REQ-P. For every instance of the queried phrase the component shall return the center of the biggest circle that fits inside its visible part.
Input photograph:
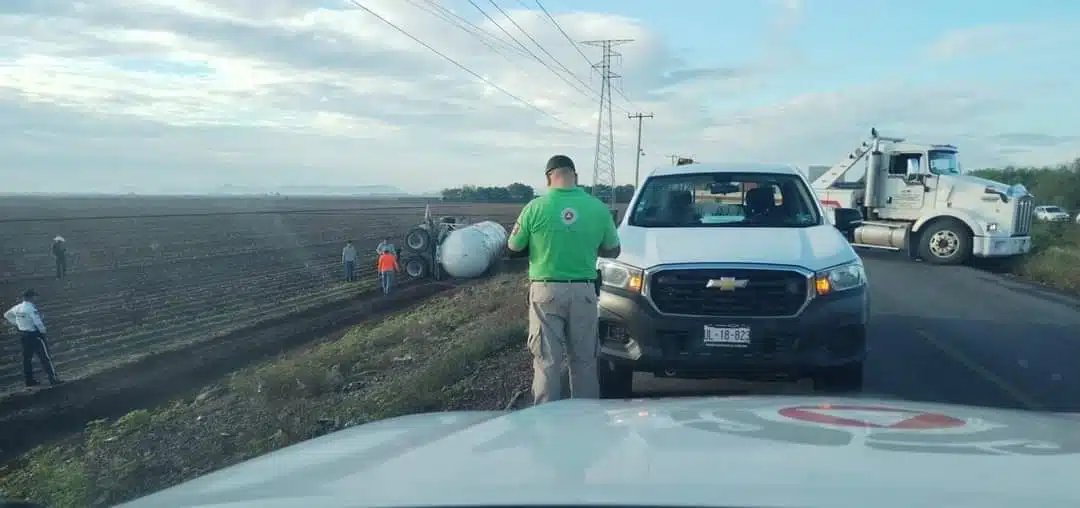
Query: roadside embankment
(1055, 260)
(463, 350)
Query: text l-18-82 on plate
(727, 336)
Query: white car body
(767, 452)
(1051, 213)
(813, 248)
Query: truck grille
(766, 293)
(1023, 215)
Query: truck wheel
(845, 379)
(418, 239)
(416, 267)
(946, 242)
(616, 381)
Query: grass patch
(1055, 259)
(424, 360)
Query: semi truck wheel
(416, 267)
(418, 239)
(945, 242)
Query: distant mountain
(314, 190)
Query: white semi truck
(914, 198)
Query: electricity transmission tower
(604, 158)
(637, 163)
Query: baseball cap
(559, 161)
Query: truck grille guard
(770, 290)
(1024, 212)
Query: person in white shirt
(26, 318)
(385, 246)
(348, 259)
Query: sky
(182, 96)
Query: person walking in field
(387, 265)
(59, 250)
(385, 246)
(563, 233)
(26, 318)
(348, 260)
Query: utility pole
(604, 158)
(637, 164)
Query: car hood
(733, 451)
(814, 248)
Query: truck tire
(418, 239)
(416, 267)
(945, 242)
(844, 379)
(616, 381)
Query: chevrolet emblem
(727, 283)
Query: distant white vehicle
(1051, 213)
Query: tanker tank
(470, 251)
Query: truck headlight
(614, 274)
(840, 278)
(991, 227)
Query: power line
(467, 26)
(481, 35)
(462, 67)
(576, 46)
(541, 46)
(588, 91)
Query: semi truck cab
(916, 198)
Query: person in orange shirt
(387, 265)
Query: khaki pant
(563, 322)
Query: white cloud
(1010, 39)
(194, 94)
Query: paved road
(952, 334)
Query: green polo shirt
(563, 231)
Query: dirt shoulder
(460, 350)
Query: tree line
(1052, 185)
(520, 193)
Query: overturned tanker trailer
(451, 247)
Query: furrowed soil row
(32, 418)
(106, 316)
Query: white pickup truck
(733, 271)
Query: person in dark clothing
(26, 318)
(59, 250)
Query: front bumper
(1000, 246)
(829, 332)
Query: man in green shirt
(564, 232)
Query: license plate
(727, 336)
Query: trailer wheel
(417, 267)
(418, 239)
(945, 242)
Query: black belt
(565, 281)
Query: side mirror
(847, 219)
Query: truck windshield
(725, 200)
(944, 163)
